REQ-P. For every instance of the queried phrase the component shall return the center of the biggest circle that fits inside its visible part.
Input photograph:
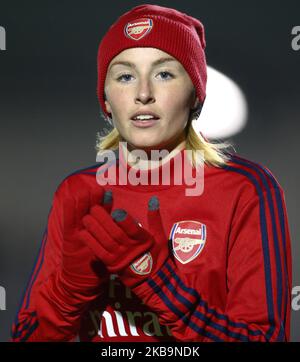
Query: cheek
(118, 100)
(175, 100)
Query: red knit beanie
(169, 30)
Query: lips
(145, 112)
(144, 123)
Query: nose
(144, 92)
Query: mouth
(145, 120)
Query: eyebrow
(155, 63)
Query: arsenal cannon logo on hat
(137, 29)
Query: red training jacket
(232, 280)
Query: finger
(97, 195)
(154, 219)
(109, 225)
(130, 226)
(107, 201)
(99, 233)
(97, 249)
(86, 198)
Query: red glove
(78, 272)
(142, 260)
(63, 297)
(123, 245)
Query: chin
(144, 145)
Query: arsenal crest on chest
(188, 240)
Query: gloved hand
(66, 293)
(142, 260)
(123, 245)
(78, 271)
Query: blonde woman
(169, 237)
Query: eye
(165, 75)
(124, 78)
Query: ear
(196, 103)
(107, 106)
(194, 100)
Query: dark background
(49, 114)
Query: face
(150, 83)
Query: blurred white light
(225, 109)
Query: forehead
(141, 56)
